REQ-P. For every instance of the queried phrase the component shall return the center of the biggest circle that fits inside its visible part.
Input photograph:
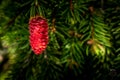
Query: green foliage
(84, 40)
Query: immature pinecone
(38, 28)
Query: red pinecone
(38, 28)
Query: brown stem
(53, 22)
(92, 26)
(71, 5)
(91, 8)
